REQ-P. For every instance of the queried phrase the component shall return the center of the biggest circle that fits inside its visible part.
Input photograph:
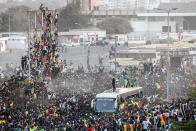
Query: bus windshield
(105, 105)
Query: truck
(109, 101)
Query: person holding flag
(125, 80)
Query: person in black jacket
(113, 84)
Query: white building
(77, 35)
(176, 1)
(127, 4)
(151, 24)
(16, 42)
(3, 42)
(102, 4)
(3, 1)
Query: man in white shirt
(145, 124)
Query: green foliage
(4, 22)
(189, 125)
(115, 25)
(70, 15)
(18, 19)
(192, 94)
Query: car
(101, 42)
(68, 44)
(75, 44)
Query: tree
(116, 25)
(18, 19)
(186, 125)
(71, 15)
(192, 93)
(4, 22)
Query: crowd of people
(50, 99)
(65, 103)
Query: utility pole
(115, 51)
(9, 24)
(29, 41)
(168, 56)
(168, 47)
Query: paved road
(11, 58)
(76, 55)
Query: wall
(17, 43)
(151, 26)
(2, 45)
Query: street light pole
(168, 56)
(115, 51)
(168, 47)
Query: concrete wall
(151, 26)
(17, 43)
(2, 45)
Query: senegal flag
(123, 106)
(158, 86)
(163, 119)
(138, 105)
(185, 67)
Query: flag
(138, 104)
(163, 119)
(185, 67)
(130, 127)
(125, 98)
(158, 85)
(123, 106)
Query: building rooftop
(86, 29)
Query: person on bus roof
(113, 84)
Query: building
(3, 42)
(127, 4)
(17, 42)
(116, 4)
(87, 5)
(93, 4)
(80, 35)
(3, 1)
(176, 1)
(151, 53)
(102, 4)
(84, 5)
(153, 24)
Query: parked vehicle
(70, 44)
(75, 44)
(101, 42)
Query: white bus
(109, 101)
